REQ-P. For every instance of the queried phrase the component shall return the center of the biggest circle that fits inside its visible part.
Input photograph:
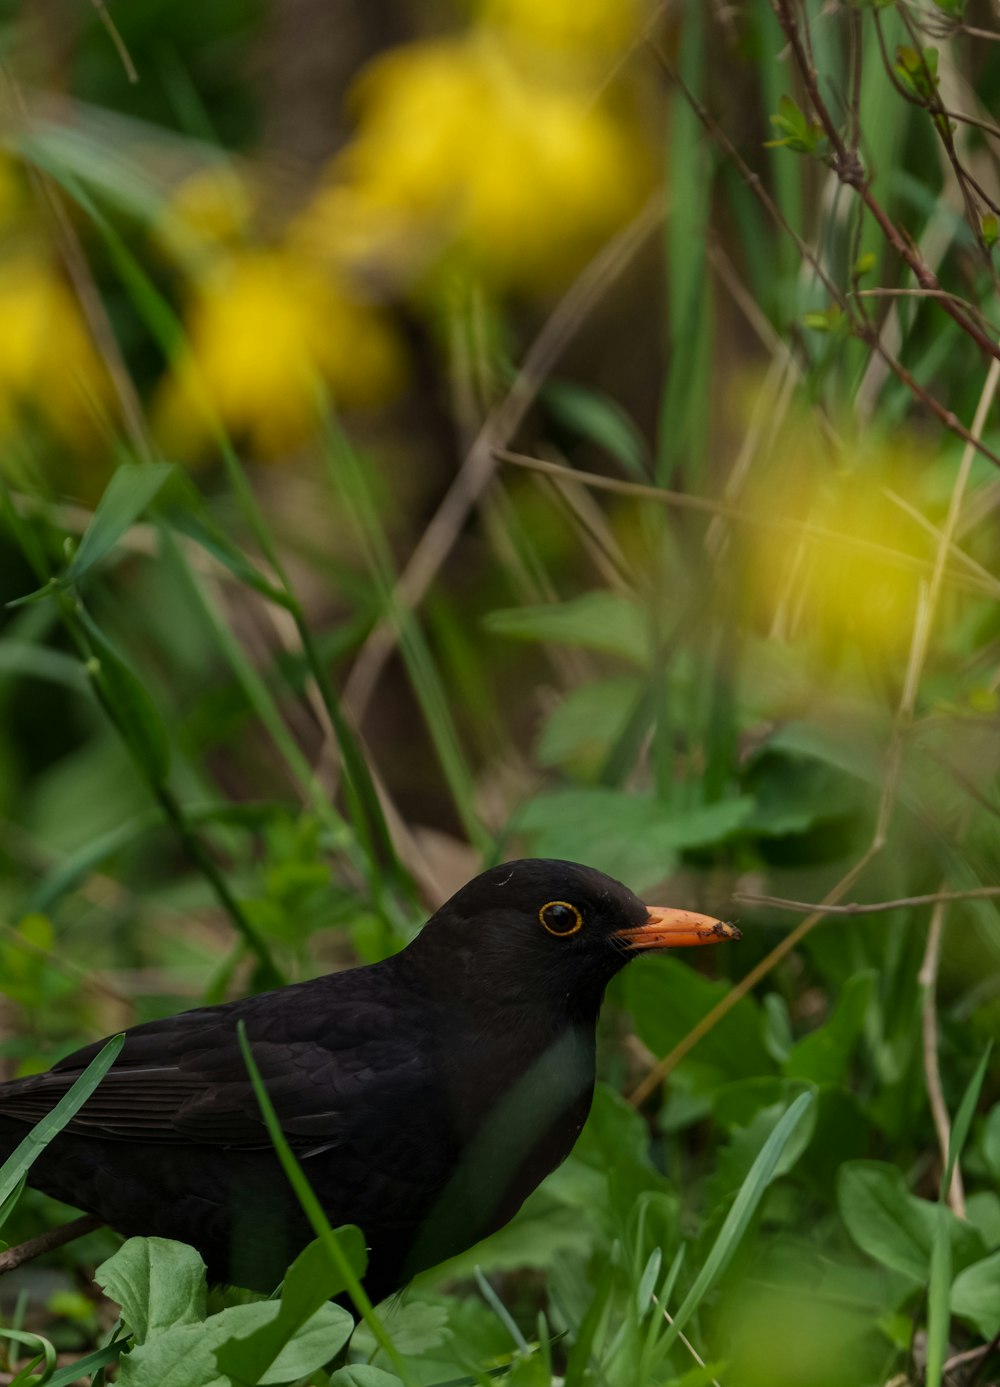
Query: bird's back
(413, 1119)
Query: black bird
(426, 1096)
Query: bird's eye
(559, 917)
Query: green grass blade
(21, 1159)
(42, 1349)
(160, 318)
(501, 1311)
(963, 1121)
(131, 490)
(313, 1211)
(348, 478)
(739, 1216)
(92, 1363)
(938, 1300)
(578, 1365)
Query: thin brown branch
(848, 167)
(499, 427)
(659, 1071)
(860, 326)
(116, 39)
(47, 1242)
(686, 1342)
(927, 978)
(950, 420)
(887, 292)
(975, 580)
(919, 644)
(977, 893)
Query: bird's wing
(325, 1054)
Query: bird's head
(552, 930)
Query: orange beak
(676, 929)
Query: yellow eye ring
(565, 925)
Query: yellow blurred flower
(266, 330)
(461, 153)
(48, 366)
(575, 29)
(843, 570)
(210, 210)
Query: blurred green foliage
(434, 433)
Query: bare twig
(919, 644)
(859, 325)
(498, 428)
(978, 893)
(659, 1071)
(686, 1342)
(849, 169)
(977, 579)
(47, 1242)
(927, 978)
(116, 39)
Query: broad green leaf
(609, 1168)
(601, 420)
(852, 749)
(601, 621)
(982, 1210)
(588, 720)
(135, 713)
(975, 1295)
(533, 1238)
(364, 1375)
(823, 1056)
(736, 1104)
(667, 999)
(615, 1139)
(894, 1226)
(778, 1037)
(159, 1283)
(310, 1282)
(25, 1154)
(842, 1133)
(631, 837)
(415, 1326)
(131, 489)
(184, 1356)
(734, 1161)
(793, 793)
